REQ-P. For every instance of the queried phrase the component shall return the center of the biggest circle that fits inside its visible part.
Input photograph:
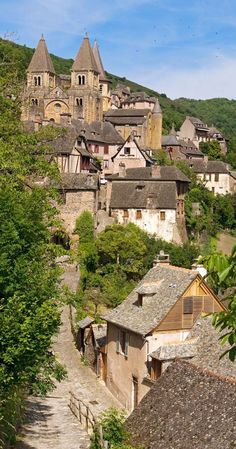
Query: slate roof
(185, 349)
(157, 108)
(197, 122)
(209, 348)
(139, 97)
(85, 59)
(98, 59)
(201, 166)
(79, 181)
(170, 140)
(167, 173)
(104, 132)
(85, 322)
(152, 195)
(187, 408)
(173, 281)
(126, 116)
(41, 60)
(100, 334)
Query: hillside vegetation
(218, 111)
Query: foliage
(212, 150)
(161, 157)
(30, 295)
(222, 275)
(85, 227)
(118, 258)
(112, 423)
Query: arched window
(83, 79)
(57, 107)
(37, 80)
(34, 102)
(79, 102)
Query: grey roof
(100, 334)
(172, 282)
(126, 116)
(170, 140)
(167, 173)
(185, 349)
(85, 59)
(209, 348)
(139, 97)
(187, 408)
(197, 123)
(233, 174)
(98, 59)
(79, 181)
(157, 108)
(104, 132)
(152, 195)
(41, 60)
(85, 322)
(201, 166)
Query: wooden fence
(85, 417)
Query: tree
(222, 275)
(212, 150)
(85, 227)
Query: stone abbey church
(83, 95)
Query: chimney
(161, 259)
(122, 170)
(205, 159)
(156, 171)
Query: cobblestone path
(49, 422)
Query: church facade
(83, 95)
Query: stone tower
(156, 127)
(41, 78)
(104, 83)
(84, 94)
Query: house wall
(120, 369)
(75, 203)
(69, 163)
(222, 187)
(133, 160)
(204, 303)
(150, 221)
(187, 131)
(98, 151)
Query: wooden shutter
(188, 305)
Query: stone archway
(55, 108)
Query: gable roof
(166, 173)
(186, 408)
(201, 166)
(197, 123)
(85, 59)
(41, 60)
(172, 283)
(98, 60)
(144, 195)
(143, 152)
(127, 116)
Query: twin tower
(85, 94)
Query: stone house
(152, 198)
(161, 310)
(145, 124)
(84, 95)
(195, 130)
(91, 342)
(215, 174)
(130, 155)
(179, 149)
(189, 407)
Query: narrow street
(49, 422)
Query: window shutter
(118, 342)
(126, 344)
(188, 305)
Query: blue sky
(179, 47)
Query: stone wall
(75, 203)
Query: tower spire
(85, 59)
(98, 59)
(41, 60)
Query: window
(96, 149)
(125, 213)
(37, 80)
(106, 149)
(216, 177)
(57, 107)
(156, 369)
(127, 150)
(122, 343)
(162, 215)
(188, 305)
(100, 88)
(34, 102)
(105, 164)
(81, 80)
(138, 214)
(79, 102)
